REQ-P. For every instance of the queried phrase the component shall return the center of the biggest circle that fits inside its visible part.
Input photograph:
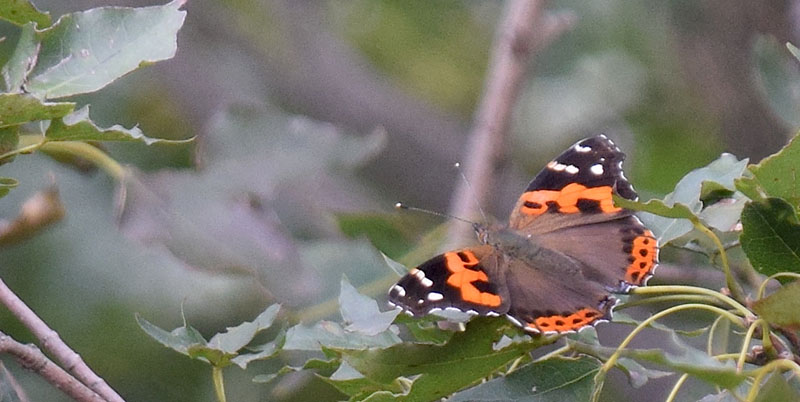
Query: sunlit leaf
(179, 340)
(259, 352)
(77, 126)
(668, 218)
(782, 307)
(771, 236)
(331, 335)
(239, 336)
(361, 313)
(352, 383)
(85, 51)
(22, 60)
(22, 108)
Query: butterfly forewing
(468, 280)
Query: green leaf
(556, 380)
(22, 59)
(639, 375)
(78, 127)
(179, 340)
(9, 140)
(6, 184)
(685, 359)
(471, 353)
(777, 389)
(239, 336)
(781, 308)
(262, 352)
(771, 236)
(21, 12)
(362, 313)
(353, 384)
(425, 329)
(777, 175)
(395, 266)
(17, 109)
(331, 335)
(85, 51)
(668, 218)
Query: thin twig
(523, 29)
(31, 358)
(51, 342)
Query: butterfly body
(567, 248)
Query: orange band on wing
(566, 199)
(561, 323)
(463, 278)
(644, 258)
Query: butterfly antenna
(457, 165)
(400, 205)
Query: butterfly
(557, 264)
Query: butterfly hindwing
(548, 299)
(468, 280)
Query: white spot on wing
(597, 169)
(571, 169)
(435, 296)
(426, 282)
(492, 314)
(401, 291)
(579, 148)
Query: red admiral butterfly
(553, 269)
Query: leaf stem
(667, 299)
(88, 152)
(770, 367)
(612, 360)
(694, 290)
(219, 384)
(763, 287)
(746, 344)
(678, 384)
(734, 288)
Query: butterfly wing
(469, 280)
(549, 299)
(618, 254)
(574, 189)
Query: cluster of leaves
(722, 207)
(82, 52)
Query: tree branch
(523, 29)
(51, 342)
(31, 358)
